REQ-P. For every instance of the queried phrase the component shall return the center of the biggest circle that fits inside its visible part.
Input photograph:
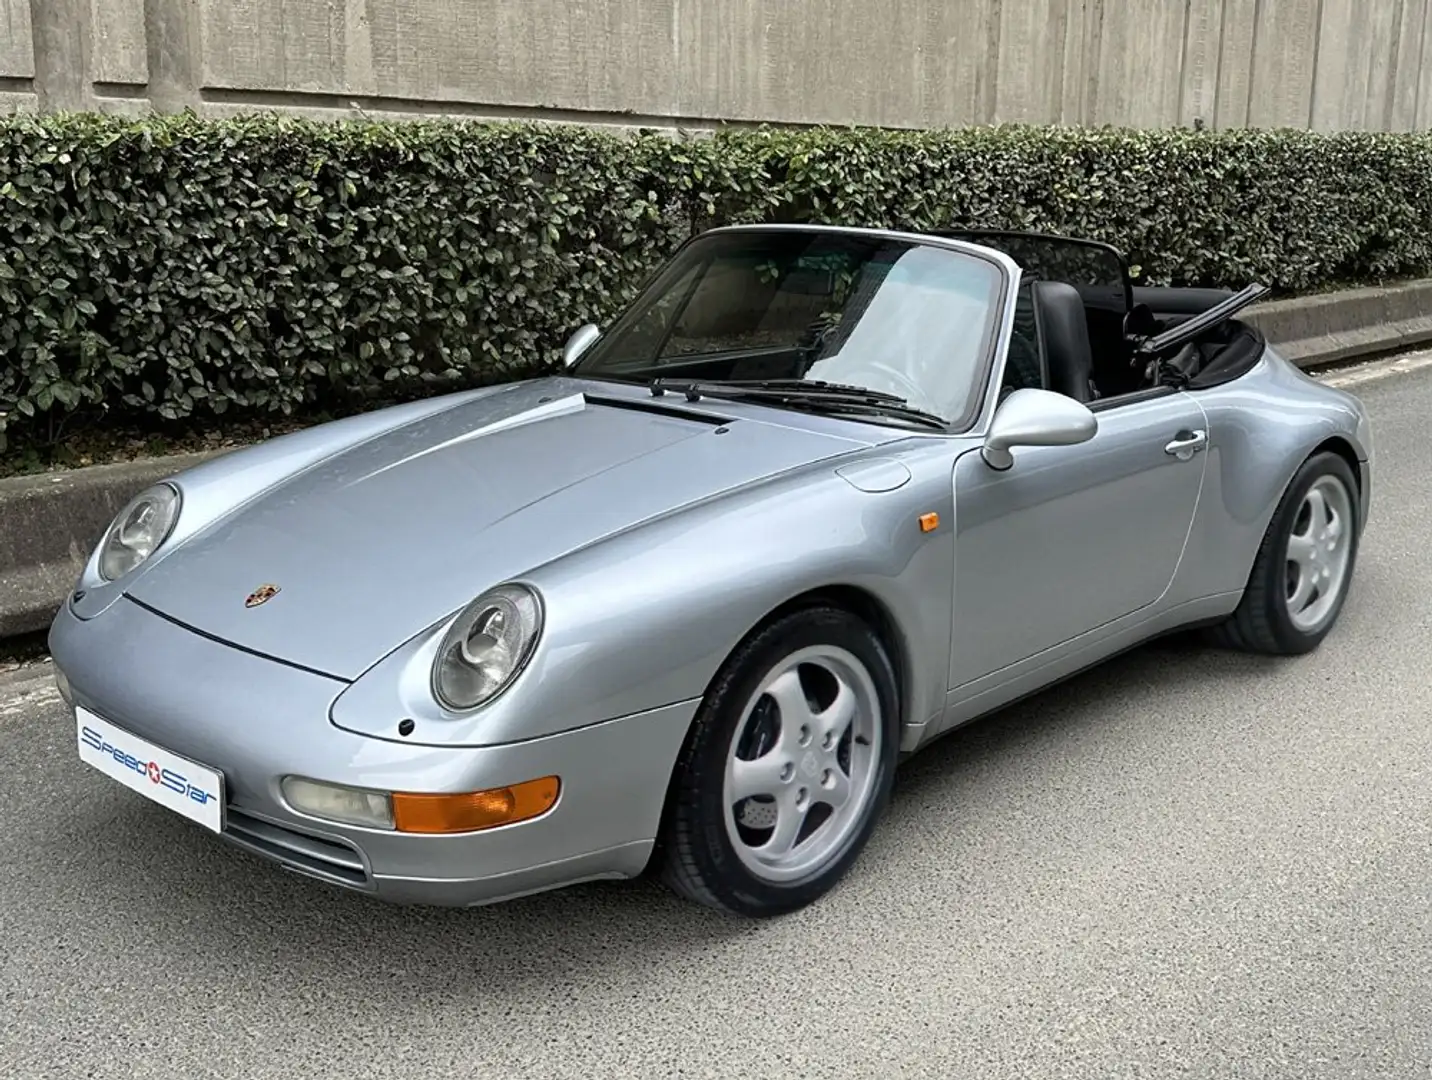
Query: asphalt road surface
(1188, 863)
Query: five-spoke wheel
(802, 765)
(1301, 575)
(1319, 554)
(787, 766)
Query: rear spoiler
(1200, 324)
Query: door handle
(1187, 443)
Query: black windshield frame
(1116, 293)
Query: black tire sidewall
(717, 863)
(1290, 638)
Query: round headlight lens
(487, 647)
(139, 530)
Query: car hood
(386, 538)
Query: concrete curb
(50, 523)
(1350, 324)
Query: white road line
(1377, 369)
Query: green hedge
(161, 269)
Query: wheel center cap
(809, 764)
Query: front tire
(1304, 566)
(787, 768)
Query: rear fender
(1262, 427)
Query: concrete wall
(1307, 63)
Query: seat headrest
(1064, 335)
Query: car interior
(1083, 329)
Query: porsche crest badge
(262, 595)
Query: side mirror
(1036, 418)
(582, 339)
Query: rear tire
(1304, 566)
(787, 767)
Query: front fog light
(351, 806)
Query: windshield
(888, 315)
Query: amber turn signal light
(929, 522)
(475, 810)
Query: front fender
(645, 618)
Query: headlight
(487, 647)
(139, 530)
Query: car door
(1072, 538)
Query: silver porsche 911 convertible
(817, 497)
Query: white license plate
(184, 786)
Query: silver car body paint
(659, 533)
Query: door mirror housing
(1036, 418)
(582, 339)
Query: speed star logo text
(262, 595)
(175, 781)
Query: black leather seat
(1064, 338)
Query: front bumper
(257, 720)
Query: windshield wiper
(826, 397)
(817, 385)
(694, 389)
(874, 408)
